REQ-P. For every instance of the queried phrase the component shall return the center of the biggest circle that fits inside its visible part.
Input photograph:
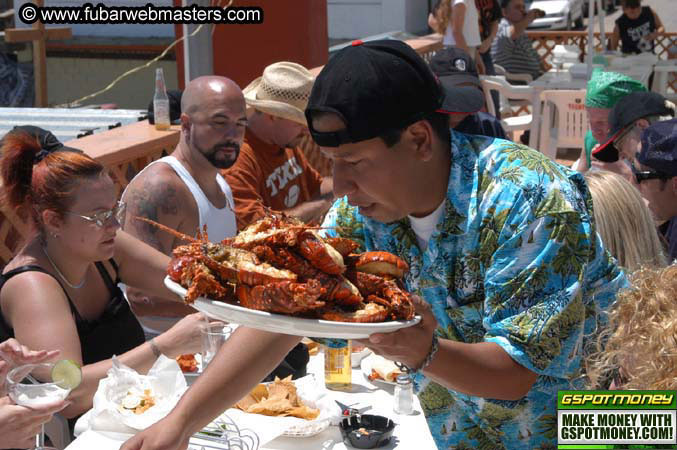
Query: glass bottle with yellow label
(337, 367)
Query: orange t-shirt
(265, 175)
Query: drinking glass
(24, 389)
(213, 337)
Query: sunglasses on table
(101, 218)
(643, 175)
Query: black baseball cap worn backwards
(630, 108)
(373, 87)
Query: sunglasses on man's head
(643, 175)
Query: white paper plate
(295, 326)
(366, 366)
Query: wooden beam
(38, 35)
(32, 34)
(40, 66)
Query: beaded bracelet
(431, 354)
(426, 362)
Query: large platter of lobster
(279, 274)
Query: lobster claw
(320, 254)
(380, 263)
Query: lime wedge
(67, 374)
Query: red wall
(291, 31)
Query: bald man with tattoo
(185, 190)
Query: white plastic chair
(564, 121)
(508, 92)
(662, 73)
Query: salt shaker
(404, 395)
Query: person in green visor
(603, 91)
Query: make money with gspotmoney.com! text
(149, 13)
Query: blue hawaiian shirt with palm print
(514, 260)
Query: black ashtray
(366, 431)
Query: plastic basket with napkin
(127, 402)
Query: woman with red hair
(60, 291)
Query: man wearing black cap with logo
(627, 120)
(463, 97)
(656, 175)
(499, 241)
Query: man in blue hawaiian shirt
(501, 246)
(499, 239)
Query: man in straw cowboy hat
(272, 171)
(185, 190)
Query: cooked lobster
(281, 265)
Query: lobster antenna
(166, 229)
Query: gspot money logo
(616, 419)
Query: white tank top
(220, 225)
(220, 222)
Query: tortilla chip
(278, 398)
(282, 389)
(259, 392)
(271, 407)
(246, 402)
(256, 395)
(304, 412)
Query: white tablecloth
(411, 431)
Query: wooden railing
(126, 150)
(545, 41)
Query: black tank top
(115, 332)
(632, 31)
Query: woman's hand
(486, 44)
(481, 70)
(19, 425)
(13, 354)
(184, 337)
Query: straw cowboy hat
(282, 91)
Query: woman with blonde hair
(639, 346)
(624, 222)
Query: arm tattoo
(149, 201)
